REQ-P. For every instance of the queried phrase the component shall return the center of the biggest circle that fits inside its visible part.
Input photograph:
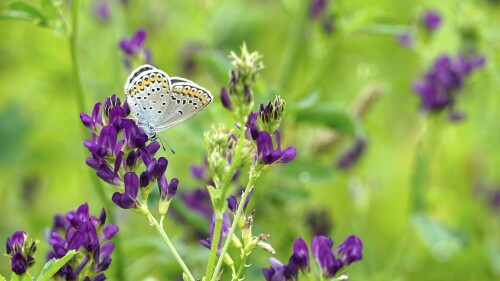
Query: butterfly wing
(185, 99)
(145, 88)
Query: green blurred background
(420, 196)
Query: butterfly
(159, 102)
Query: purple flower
(167, 191)
(300, 255)
(232, 202)
(89, 236)
(438, 88)
(94, 121)
(226, 225)
(350, 250)
(134, 47)
(252, 129)
(15, 242)
(224, 97)
(268, 155)
(431, 20)
(21, 251)
(128, 199)
(330, 262)
(352, 155)
(280, 272)
(19, 263)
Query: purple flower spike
(350, 250)
(431, 20)
(87, 235)
(268, 155)
(438, 88)
(127, 200)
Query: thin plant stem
(214, 244)
(242, 266)
(293, 44)
(253, 176)
(170, 246)
(80, 99)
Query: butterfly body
(158, 101)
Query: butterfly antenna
(163, 142)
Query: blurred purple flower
(90, 237)
(431, 20)
(350, 250)
(405, 39)
(439, 87)
(226, 225)
(280, 272)
(317, 7)
(134, 48)
(199, 201)
(101, 10)
(319, 222)
(352, 155)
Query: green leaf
(52, 266)
(27, 8)
(442, 241)
(24, 11)
(331, 116)
(16, 15)
(2, 278)
(419, 179)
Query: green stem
(318, 72)
(242, 266)
(80, 99)
(214, 244)
(254, 174)
(170, 246)
(293, 42)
